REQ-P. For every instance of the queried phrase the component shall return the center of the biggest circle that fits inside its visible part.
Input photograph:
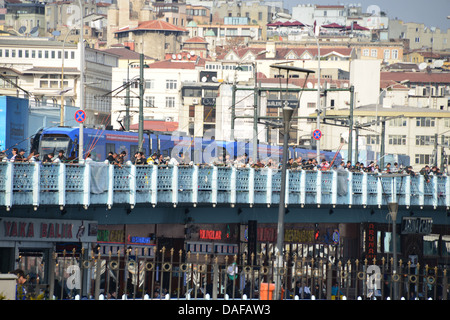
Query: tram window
(109, 147)
(134, 149)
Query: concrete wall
(8, 286)
(365, 77)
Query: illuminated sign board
(371, 242)
(210, 234)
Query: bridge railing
(101, 183)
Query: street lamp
(81, 133)
(61, 115)
(287, 116)
(393, 210)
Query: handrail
(101, 183)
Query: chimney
(271, 50)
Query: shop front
(418, 239)
(37, 245)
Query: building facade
(48, 72)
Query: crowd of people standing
(243, 160)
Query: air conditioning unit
(195, 101)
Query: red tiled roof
(168, 64)
(282, 52)
(125, 53)
(158, 25)
(392, 84)
(155, 125)
(416, 77)
(196, 40)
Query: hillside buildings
(208, 65)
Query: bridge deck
(95, 183)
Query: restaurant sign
(48, 230)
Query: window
(423, 159)
(397, 140)
(366, 52)
(171, 84)
(398, 122)
(374, 53)
(208, 93)
(387, 54)
(394, 54)
(373, 139)
(170, 102)
(209, 114)
(51, 81)
(150, 102)
(445, 246)
(425, 140)
(425, 122)
(149, 84)
(431, 245)
(192, 92)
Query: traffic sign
(317, 134)
(80, 116)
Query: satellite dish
(204, 79)
(174, 56)
(34, 32)
(422, 66)
(214, 79)
(373, 10)
(438, 63)
(192, 53)
(283, 15)
(309, 85)
(22, 29)
(188, 56)
(179, 57)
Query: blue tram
(99, 142)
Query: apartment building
(163, 83)
(49, 71)
(418, 36)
